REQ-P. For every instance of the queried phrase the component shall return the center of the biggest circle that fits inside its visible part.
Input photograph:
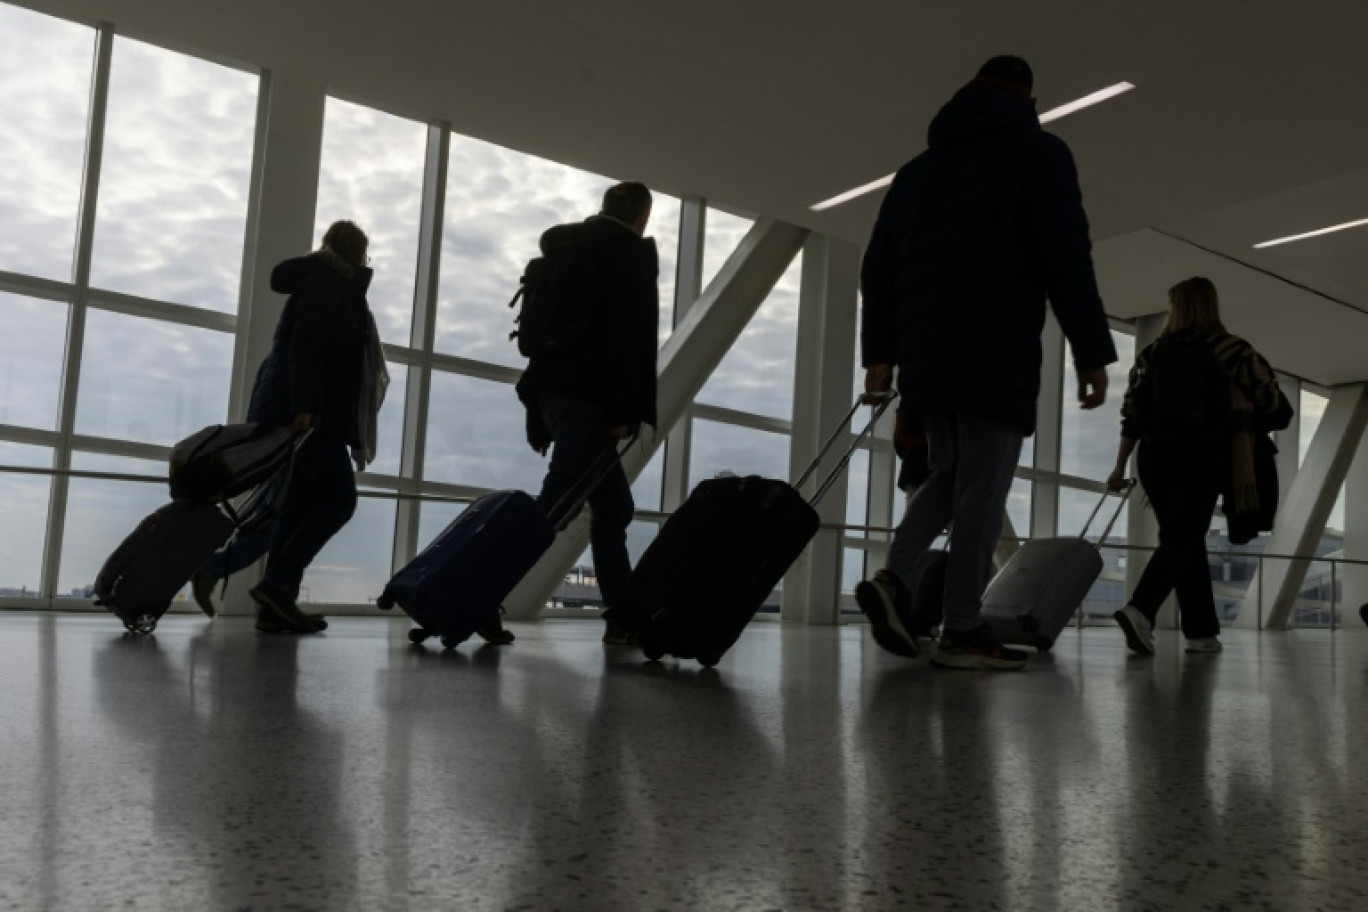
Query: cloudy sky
(170, 226)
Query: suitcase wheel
(451, 642)
(709, 661)
(418, 635)
(384, 603)
(142, 625)
(1043, 645)
(653, 653)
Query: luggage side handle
(885, 399)
(1125, 494)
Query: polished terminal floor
(208, 767)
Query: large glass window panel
(722, 234)
(1087, 445)
(756, 375)
(26, 500)
(647, 487)
(101, 513)
(857, 489)
(718, 448)
(31, 356)
(149, 380)
(1076, 505)
(497, 206)
(664, 227)
(433, 517)
(45, 93)
(354, 566)
(389, 435)
(173, 189)
(477, 436)
(371, 173)
(580, 588)
(1019, 508)
(1311, 409)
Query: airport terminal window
(355, 564)
(476, 435)
(151, 381)
(100, 513)
(1019, 506)
(31, 352)
(433, 517)
(45, 66)
(389, 432)
(1311, 409)
(26, 499)
(371, 172)
(172, 207)
(1076, 504)
(1087, 444)
(857, 489)
(719, 448)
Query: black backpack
(1184, 391)
(550, 318)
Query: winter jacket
(316, 360)
(973, 237)
(604, 273)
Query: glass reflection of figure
(244, 781)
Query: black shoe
(202, 590)
(283, 615)
(493, 632)
(976, 649)
(884, 603)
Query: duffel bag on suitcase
(1037, 592)
(142, 576)
(224, 460)
(720, 555)
(458, 582)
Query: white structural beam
(693, 351)
(1049, 424)
(828, 311)
(693, 224)
(1309, 501)
(282, 197)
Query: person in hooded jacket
(973, 237)
(599, 387)
(315, 380)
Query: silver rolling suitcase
(1035, 595)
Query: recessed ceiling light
(1063, 110)
(1310, 234)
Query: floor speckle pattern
(208, 767)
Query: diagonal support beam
(689, 357)
(1301, 521)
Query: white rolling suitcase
(1035, 595)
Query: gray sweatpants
(972, 460)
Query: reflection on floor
(208, 767)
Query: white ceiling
(1247, 121)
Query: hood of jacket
(597, 229)
(977, 112)
(290, 274)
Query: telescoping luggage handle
(1125, 493)
(565, 509)
(884, 401)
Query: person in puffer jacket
(975, 235)
(312, 381)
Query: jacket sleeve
(635, 321)
(310, 339)
(878, 283)
(1064, 253)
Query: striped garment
(1248, 372)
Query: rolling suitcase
(720, 555)
(458, 581)
(142, 576)
(1036, 593)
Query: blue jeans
(320, 499)
(972, 460)
(579, 433)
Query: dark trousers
(1183, 483)
(320, 500)
(579, 433)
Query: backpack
(223, 461)
(536, 330)
(1184, 392)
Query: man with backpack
(974, 236)
(588, 326)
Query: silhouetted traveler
(974, 236)
(325, 372)
(597, 385)
(1191, 393)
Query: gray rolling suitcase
(1035, 595)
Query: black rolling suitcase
(460, 579)
(720, 555)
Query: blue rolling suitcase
(458, 582)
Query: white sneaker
(1139, 633)
(1204, 644)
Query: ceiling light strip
(1310, 234)
(1063, 110)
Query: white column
(282, 197)
(828, 313)
(1309, 501)
(689, 357)
(1049, 421)
(693, 223)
